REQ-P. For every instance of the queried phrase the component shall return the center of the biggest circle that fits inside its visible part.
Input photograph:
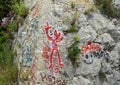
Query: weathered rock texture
(30, 41)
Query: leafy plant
(5, 7)
(20, 8)
(72, 5)
(72, 29)
(6, 55)
(76, 38)
(8, 69)
(12, 26)
(73, 52)
(4, 38)
(7, 65)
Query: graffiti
(26, 56)
(51, 49)
(35, 22)
(92, 50)
(88, 58)
(33, 70)
(36, 10)
(26, 49)
(91, 47)
(52, 80)
(27, 60)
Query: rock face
(31, 38)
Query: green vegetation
(106, 6)
(11, 12)
(8, 68)
(9, 76)
(5, 7)
(72, 5)
(73, 28)
(73, 52)
(12, 26)
(20, 9)
(76, 38)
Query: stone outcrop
(31, 37)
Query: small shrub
(20, 8)
(9, 76)
(73, 52)
(4, 38)
(5, 7)
(72, 29)
(12, 26)
(8, 69)
(76, 38)
(72, 5)
(6, 55)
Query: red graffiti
(90, 47)
(35, 59)
(52, 49)
(45, 52)
(52, 80)
(36, 10)
(33, 70)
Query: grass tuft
(20, 8)
(73, 52)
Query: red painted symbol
(90, 47)
(51, 50)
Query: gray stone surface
(30, 43)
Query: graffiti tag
(52, 80)
(92, 50)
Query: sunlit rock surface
(30, 41)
